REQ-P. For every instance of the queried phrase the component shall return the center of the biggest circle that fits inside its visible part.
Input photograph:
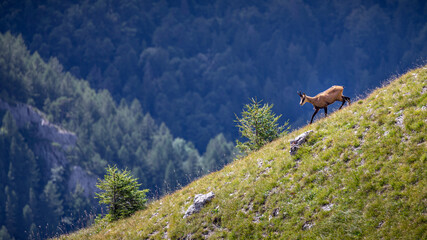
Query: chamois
(323, 99)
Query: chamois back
(333, 91)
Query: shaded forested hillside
(193, 64)
(42, 194)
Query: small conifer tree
(259, 125)
(120, 191)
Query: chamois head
(303, 98)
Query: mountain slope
(362, 174)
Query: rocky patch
(298, 141)
(200, 200)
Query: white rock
(298, 141)
(199, 201)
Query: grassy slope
(362, 174)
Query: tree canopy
(120, 191)
(192, 64)
(259, 125)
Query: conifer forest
(154, 87)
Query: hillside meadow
(361, 174)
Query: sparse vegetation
(361, 175)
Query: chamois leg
(348, 100)
(326, 111)
(345, 99)
(314, 114)
(343, 102)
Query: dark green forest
(153, 86)
(107, 133)
(194, 63)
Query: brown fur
(325, 98)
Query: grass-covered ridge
(362, 174)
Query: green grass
(362, 174)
